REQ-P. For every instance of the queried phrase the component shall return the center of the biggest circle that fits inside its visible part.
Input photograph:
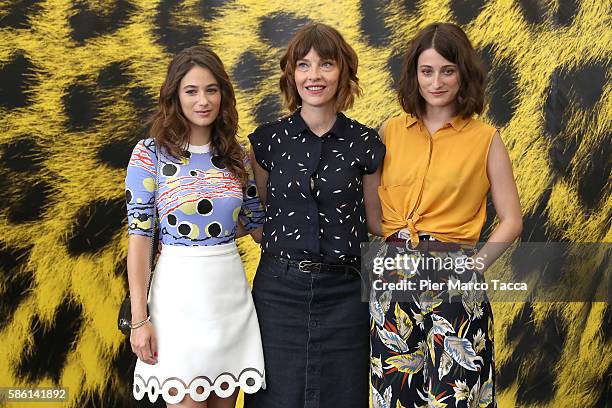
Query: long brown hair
(169, 126)
(329, 44)
(449, 41)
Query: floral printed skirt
(434, 347)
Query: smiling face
(316, 80)
(438, 79)
(200, 98)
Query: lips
(315, 89)
(438, 93)
(202, 113)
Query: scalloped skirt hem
(174, 390)
(206, 326)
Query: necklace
(327, 128)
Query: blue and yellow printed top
(198, 200)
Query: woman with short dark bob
(198, 341)
(436, 348)
(312, 169)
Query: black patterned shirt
(315, 207)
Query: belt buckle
(410, 247)
(304, 266)
(404, 234)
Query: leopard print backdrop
(78, 80)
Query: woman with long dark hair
(435, 348)
(200, 341)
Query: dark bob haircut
(449, 41)
(329, 44)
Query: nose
(437, 80)
(202, 99)
(314, 73)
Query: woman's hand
(144, 343)
(256, 234)
(478, 263)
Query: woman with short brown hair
(435, 347)
(329, 44)
(450, 41)
(313, 168)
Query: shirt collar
(296, 125)
(339, 125)
(410, 120)
(458, 123)
(199, 149)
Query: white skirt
(207, 331)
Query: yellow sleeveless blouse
(436, 184)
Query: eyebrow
(320, 59)
(205, 86)
(443, 66)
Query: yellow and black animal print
(78, 80)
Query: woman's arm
(370, 195)
(261, 177)
(505, 200)
(240, 230)
(254, 233)
(252, 213)
(372, 202)
(142, 339)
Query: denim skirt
(315, 335)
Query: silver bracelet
(140, 324)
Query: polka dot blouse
(315, 207)
(198, 200)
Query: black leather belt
(308, 266)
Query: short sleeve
(140, 188)
(261, 143)
(252, 213)
(373, 151)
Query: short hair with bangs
(329, 44)
(451, 42)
